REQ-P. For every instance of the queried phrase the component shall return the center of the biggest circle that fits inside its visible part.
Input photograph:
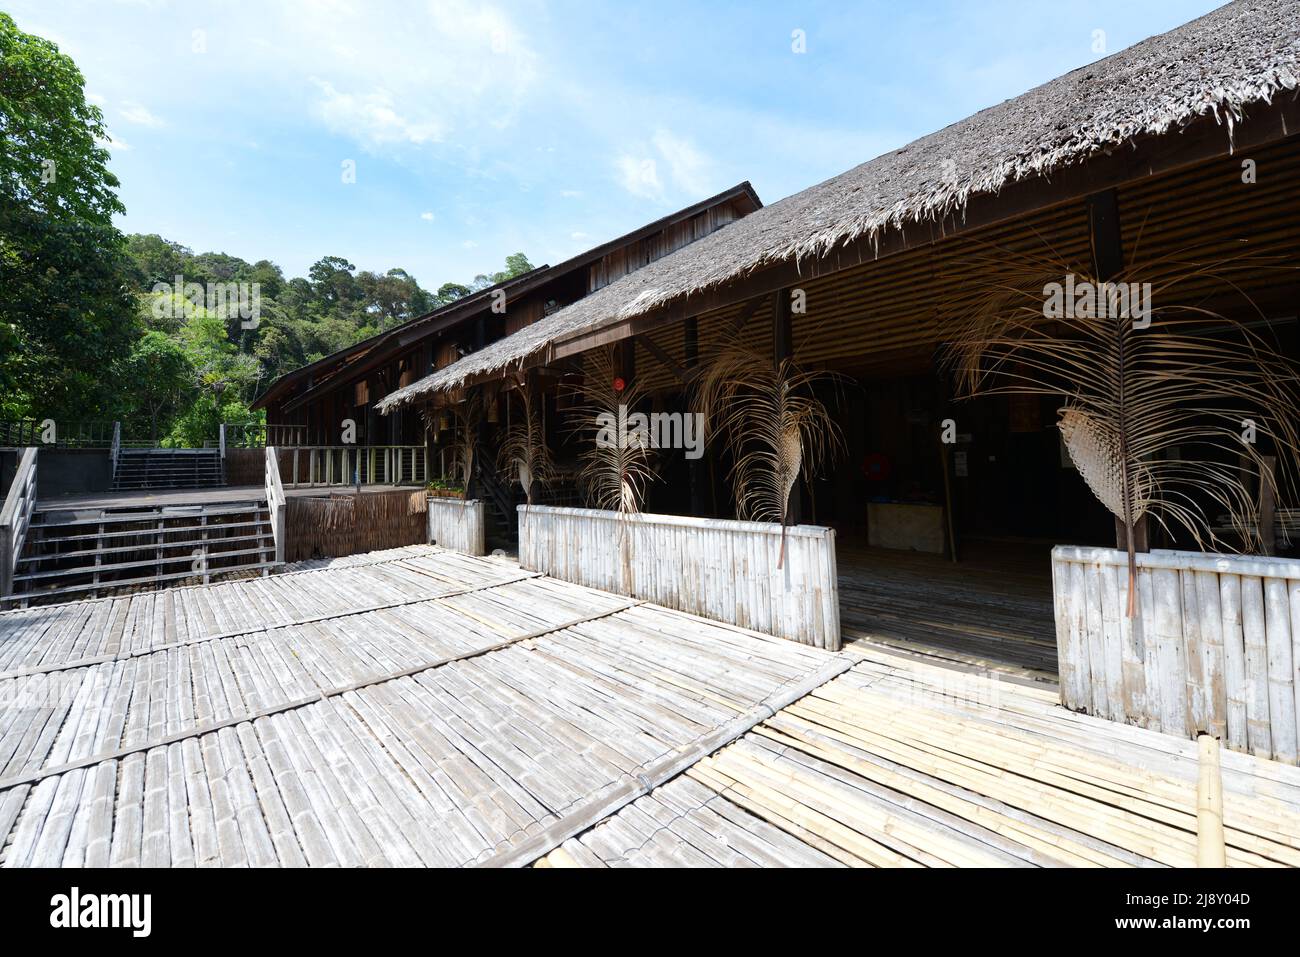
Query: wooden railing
(275, 500)
(327, 465)
(16, 518)
(257, 435)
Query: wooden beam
(1268, 506)
(657, 351)
(625, 360)
(746, 314)
(783, 348)
(1104, 234)
(782, 334)
(694, 467)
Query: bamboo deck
(420, 707)
(897, 763)
(430, 709)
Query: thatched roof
(1242, 53)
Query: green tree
(449, 292)
(157, 378)
(516, 265)
(64, 305)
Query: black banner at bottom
(337, 907)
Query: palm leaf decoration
(773, 425)
(1153, 417)
(467, 415)
(524, 455)
(613, 475)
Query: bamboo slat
(899, 763)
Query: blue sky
(480, 129)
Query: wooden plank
(1280, 670)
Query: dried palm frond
(524, 455)
(773, 425)
(1153, 416)
(467, 415)
(615, 467)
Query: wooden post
(783, 348)
(1107, 262)
(625, 360)
(691, 331)
(6, 560)
(1268, 506)
(1210, 845)
(944, 395)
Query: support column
(783, 348)
(1107, 262)
(694, 467)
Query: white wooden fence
(275, 501)
(718, 569)
(457, 525)
(16, 518)
(1215, 646)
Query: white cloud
(139, 115)
(427, 217)
(578, 236)
(570, 193)
(371, 118)
(684, 167)
(640, 177)
(469, 244)
(453, 65)
(687, 165)
(112, 142)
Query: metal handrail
(16, 519)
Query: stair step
(180, 511)
(101, 569)
(118, 549)
(126, 582)
(170, 529)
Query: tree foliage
(92, 324)
(66, 317)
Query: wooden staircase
(91, 551)
(168, 469)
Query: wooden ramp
(897, 763)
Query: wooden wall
(619, 262)
(339, 524)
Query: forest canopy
(98, 326)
